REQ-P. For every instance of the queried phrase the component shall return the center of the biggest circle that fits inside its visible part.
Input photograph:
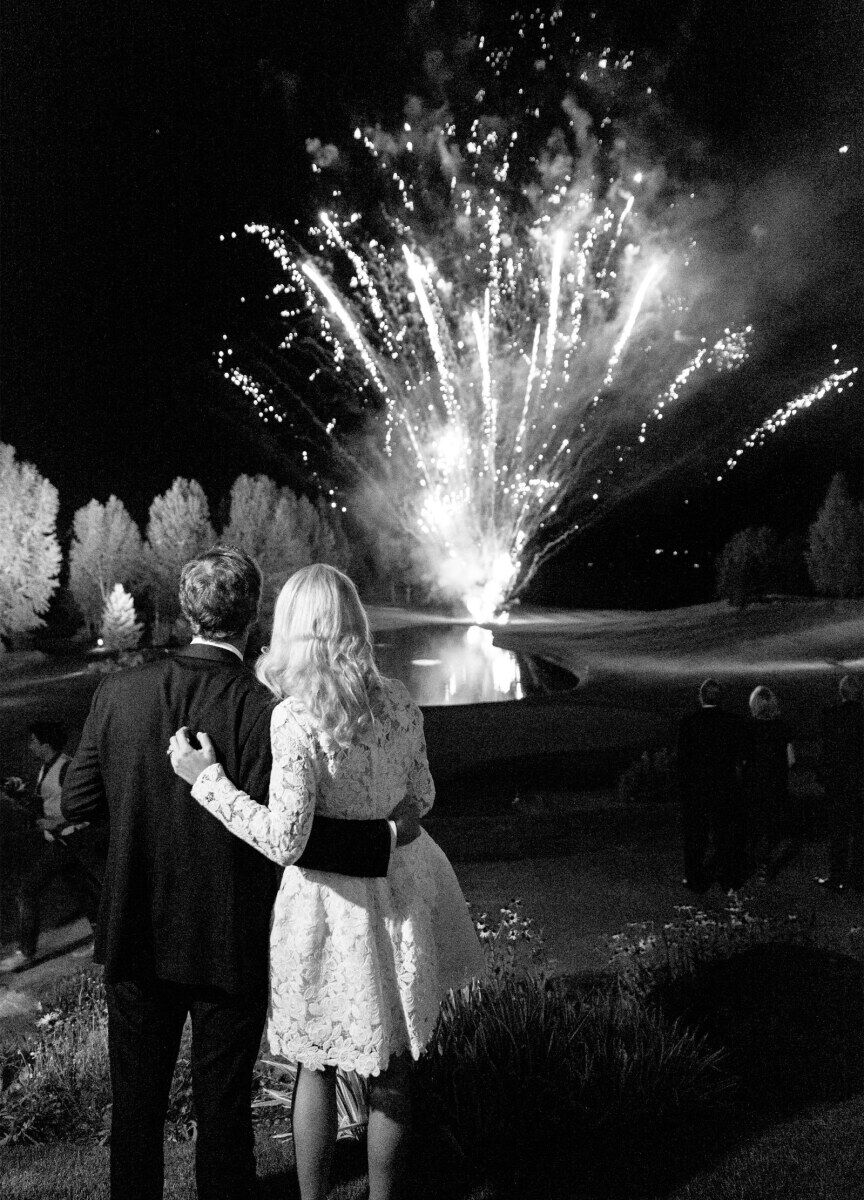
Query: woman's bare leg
(313, 1120)
(389, 1124)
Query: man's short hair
(220, 592)
(849, 687)
(49, 733)
(710, 692)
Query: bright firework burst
(463, 389)
(488, 409)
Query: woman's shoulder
(290, 712)
(397, 703)
(395, 692)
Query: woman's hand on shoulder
(186, 761)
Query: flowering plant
(512, 944)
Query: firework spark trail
(781, 417)
(317, 279)
(554, 293)
(420, 278)
(726, 354)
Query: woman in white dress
(358, 967)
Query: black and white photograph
(431, 600)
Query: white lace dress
(358, 967)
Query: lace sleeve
(420, 785)
(279, 831)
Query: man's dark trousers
(694, 834)
(144, 1030)
(846, 823)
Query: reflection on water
(455, 664)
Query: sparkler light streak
(779, 419)
(464, 398)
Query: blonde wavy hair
(321, 653)
(764, 705)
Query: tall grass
(56, 1084)
(523, 1070)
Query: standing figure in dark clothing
(768, 755)
(708, 756)
(184, 921)
(842, 770)
(73, 851)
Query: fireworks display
(475, 383)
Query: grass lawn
(63, 1172)
(818, 1154)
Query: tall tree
(835, 543)
(253, 500)
(282, 532)
(106, 549)
(178, 529)
(29, 550)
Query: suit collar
(211, 654)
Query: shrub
(522, 1070)
(120, 631)
(650, 779)
(56, 1084)
(744, 566)
(649, 957)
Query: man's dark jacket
(842, 757)
(184, 899)
(710, 744)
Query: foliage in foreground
(523, 1071)
(650, 957)
(56, 1085)
(599, 1080)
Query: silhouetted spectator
(768, 755)
(842, 770)
(73, 851)
(708, 754)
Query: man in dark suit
(184, 918)
(708, 760)
(842, 770)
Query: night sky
(134, 134)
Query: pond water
(458, 664)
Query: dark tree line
(829, 559)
